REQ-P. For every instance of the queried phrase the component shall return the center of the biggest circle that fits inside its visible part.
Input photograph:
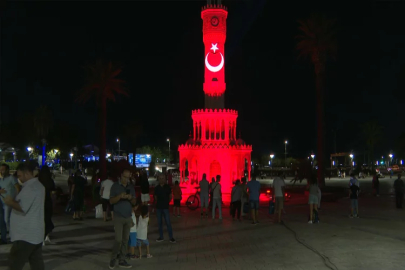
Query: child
(132, 243)
(354, 194)
(176, 198)
(142, 233)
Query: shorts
(204, 200)
(106, 204)
(145, 197)
(132, 242)
(279, 203)
(313, 199)
(176, 202)
(141, 241)
(254, 204)
(355, 203)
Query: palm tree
(372, 134)
(318, 41)
(43, 122)
(102, 84)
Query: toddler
(142, 231)
(132, 243)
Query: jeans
(236, 207)
(217, 202)
(3, 226)
(22, 252)
(122, 228)
(166, 215)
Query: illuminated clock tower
(213, 147)
(214, 36)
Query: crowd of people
(26, 208)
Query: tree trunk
(319, 62)
(103, 137)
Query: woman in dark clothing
(45, 177)
(77, 194)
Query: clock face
(214, 21)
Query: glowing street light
(312, 156)
(351, 157)
(119, 147)
(271, 159)
(168, 140)
(56, 151)
(285, 153)
(29, 149)
(71, 156)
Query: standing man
(245, 195)
(254, 193)
(122, 196)
(8, 187)
(217, 197)
(27, 221)
(278, 194)
(105, 197)
(163, 196)
(204, 194)
(399, 191)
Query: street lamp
(168, 140)
(351, 157)
(29, 149)
(285, 153)
(119, 146)
(390, 155)
(312, 158)
(271, 160)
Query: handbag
(70, 207)
(99, 211)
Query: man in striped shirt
(27, 221)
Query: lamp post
(168, 140)
(390, 155)
(119, 146)
(351, 157)
(71, 158)
(285, 153)
(312, 158)
(29, 149)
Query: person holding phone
(122, 196)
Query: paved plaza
(373, 241)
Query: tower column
(194, 129)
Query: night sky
(45, 44)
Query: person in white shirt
(105, 197)
(133, 236)
(142, 231)
(27, 221)
(278, 194)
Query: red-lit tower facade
(213, 147)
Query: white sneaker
(310, 222)
(47, 239)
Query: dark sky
(45, 44)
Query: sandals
(149, 256)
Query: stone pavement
(374, 241)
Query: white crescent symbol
(217, 68)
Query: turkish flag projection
(214, 69)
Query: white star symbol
(214, 47)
